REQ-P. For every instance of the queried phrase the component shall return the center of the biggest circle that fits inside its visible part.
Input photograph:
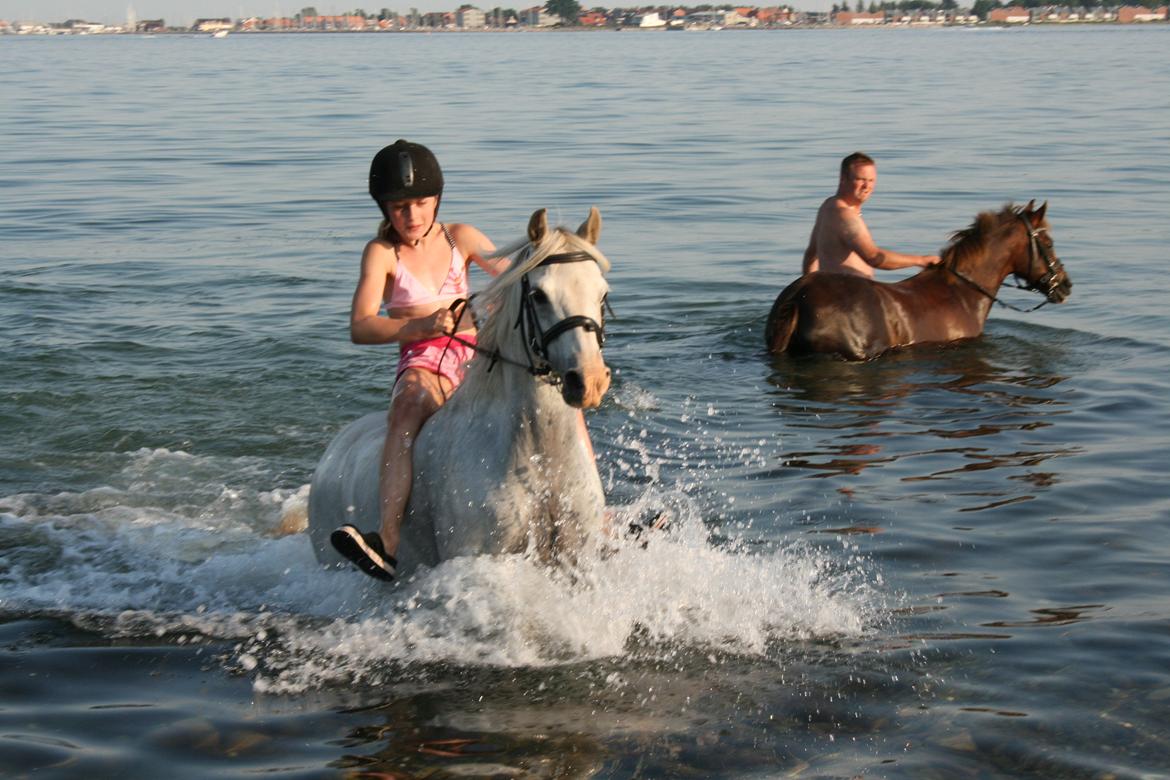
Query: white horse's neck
(516, 437)
(526, 406)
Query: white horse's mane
(497, 308)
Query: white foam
(183, 550)
(509, 611)
(633, 398)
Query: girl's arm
(365, 326)
(476, 247)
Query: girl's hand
(439, 323)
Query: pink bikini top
(409, 290)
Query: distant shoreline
(582, 29)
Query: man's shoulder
(836, 211)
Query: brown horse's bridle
(1046, 284)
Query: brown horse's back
(782, 318)
(829, 313)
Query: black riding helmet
(405, 170)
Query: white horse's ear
(591, 228)
(538, 225)
(1038, 217)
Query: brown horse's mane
(971, 243)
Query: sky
(183, 12)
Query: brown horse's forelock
(971, 242)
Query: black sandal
(365, 551)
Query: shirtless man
(840, 241)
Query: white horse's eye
(538, 296)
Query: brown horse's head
(1015, 240)
(1038, 266)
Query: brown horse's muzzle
(1055, 284)
(1061, 287)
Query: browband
(567, 257)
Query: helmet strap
(424, 235)
(386, 216)
(434, 219)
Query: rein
(535, 338)
(1034, 250)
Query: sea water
(948, 562)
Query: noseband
(1046, 284)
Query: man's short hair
(857, 158)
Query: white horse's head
(548, 307)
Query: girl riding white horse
(502, 466)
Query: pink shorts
(441, 355)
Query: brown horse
(858, 318)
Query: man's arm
(811, 263)
(856, 236)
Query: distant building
(470, 18)
(858, 18)
(774, 15)
(593, 19)
(739, 17)
(83, 27)
(150, 26)
(1013, 15)
(648, 21)
(536, 16)
(1130, 14)
(343, 22)
(701, 19)
(213, 25)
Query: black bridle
(1046, 284)
(535, 338)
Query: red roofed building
(1129, 14)
(775, 15)
(1013, 15)
(855, 18)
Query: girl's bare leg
(417, 395)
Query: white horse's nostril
(574, 387)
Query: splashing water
(179, 552)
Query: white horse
(501, 467)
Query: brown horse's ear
(1038, 216)
(591, 228)
(538, 225)
(1031, 205)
